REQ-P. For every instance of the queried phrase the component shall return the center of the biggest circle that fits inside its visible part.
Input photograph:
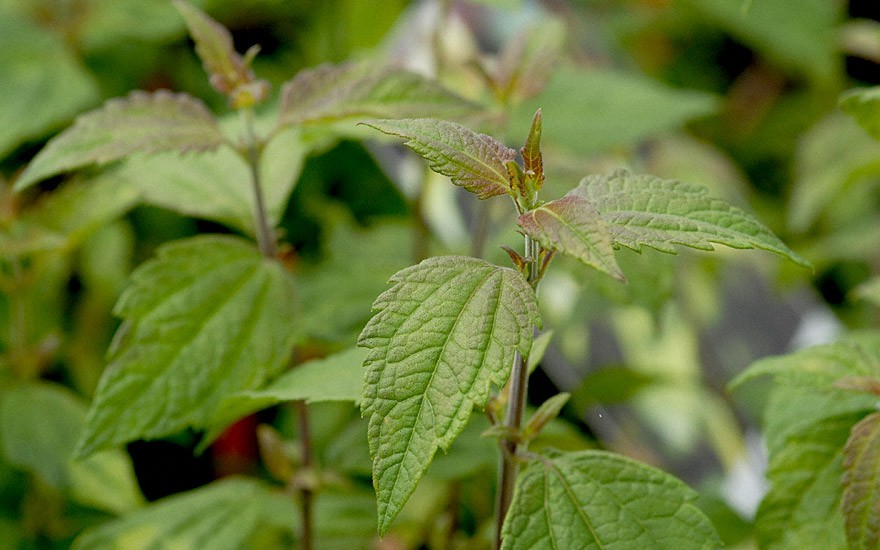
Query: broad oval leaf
(474, 161)
(331, 93)
(597, 499)
(861, 484)
(572, 225)
(444, 333)
(644, 210)
(140, 123)
(207, 318)
(224, 515)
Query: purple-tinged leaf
(861, 484)
(644, 210)
(331, 93)
(474, 161)
(140, 123)
(572, 225)
(531, 153)
(229, 73)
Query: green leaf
(228, 71)
(223, 515)
(572, 225)
(140, 123)
(802, 508)
(864, 106)
(861, 483)
(869, 290)
(444, 333)
(43, 86)
(207, 318)
(474, 161)
(589, 111)
(644, 210)
(596, 499)
(332, 93)
(39, 424)
(539, 348)
(547, 412)
(801, 35)
(611, 385)
(336, 377)
(529, 59)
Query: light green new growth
(208, 318)
(861, 484)
(601, 500)
(444, 333)
(331, 93)
(140, 123)
(474, 161)
(864, 106)
(644, 210)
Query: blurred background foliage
(740, 97)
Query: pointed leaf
(539, 348)
(531, 153)
(207, 318)
(140, 123)
(864, 106)
(573, 226)
(474, 161)
(596, 499)
(802, 508)
(224, 515)
(548, 410)
(529, 59)
(330, 93)
(444, 333)
(861, 484)
(229, 72)
(644, 210)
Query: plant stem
(269, 248)
(306, 494)
(516, 404)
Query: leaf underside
(861, 484)
(596, 499)
(207, 318)
(140, 123)
(331, 93)
(474, 161)
(572, 225)
(644, 210)
(444, 333)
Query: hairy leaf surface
(802, 508)
(207, 318)
(331, 93)
(223, 515)
(474, 161)
(572, 225)
(861, 484)
(596, 499)
(644, 210)
(444, 333)
(140, 123)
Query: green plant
(451, 327)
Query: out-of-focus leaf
(643, 210)
(207, 318)
(573, 226)
(870, 290)
(444, 333)
(223, 515)
(596, 499)
(217, 185)
(864, 106)
(474, 161)
(861, 484)
(587, 111)
(529, 59)
(539, 348)
(802, 508)
(140, 123)
(796, 34)
(610, 385)
(43, 84)
(39, 424)
(332, 93)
